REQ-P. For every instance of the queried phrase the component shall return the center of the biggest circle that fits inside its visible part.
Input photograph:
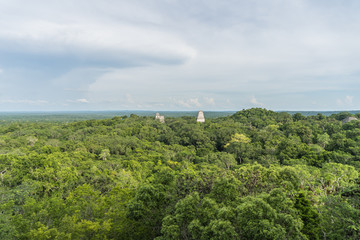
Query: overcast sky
(179, 54)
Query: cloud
(347, 101)
(255, 102)
(80, 100)
(101, 37)
(24, 101)
(153, 51)
(209, 101)
(194, 103)
(130, 99)
(187, 103)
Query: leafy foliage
(256, 174)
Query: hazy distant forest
(256, 174)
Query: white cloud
(195, 102)
(347, 101)
(24, 101)
(130, 99)
(152, 51)
(209, 101)
(78, 32)
(80, 100)
(255, 102)
(190, 103)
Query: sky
(179, 55)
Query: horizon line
(133, 110)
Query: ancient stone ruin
(159, 117)
(349, 119)
(200, 117)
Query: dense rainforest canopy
(256, 174)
